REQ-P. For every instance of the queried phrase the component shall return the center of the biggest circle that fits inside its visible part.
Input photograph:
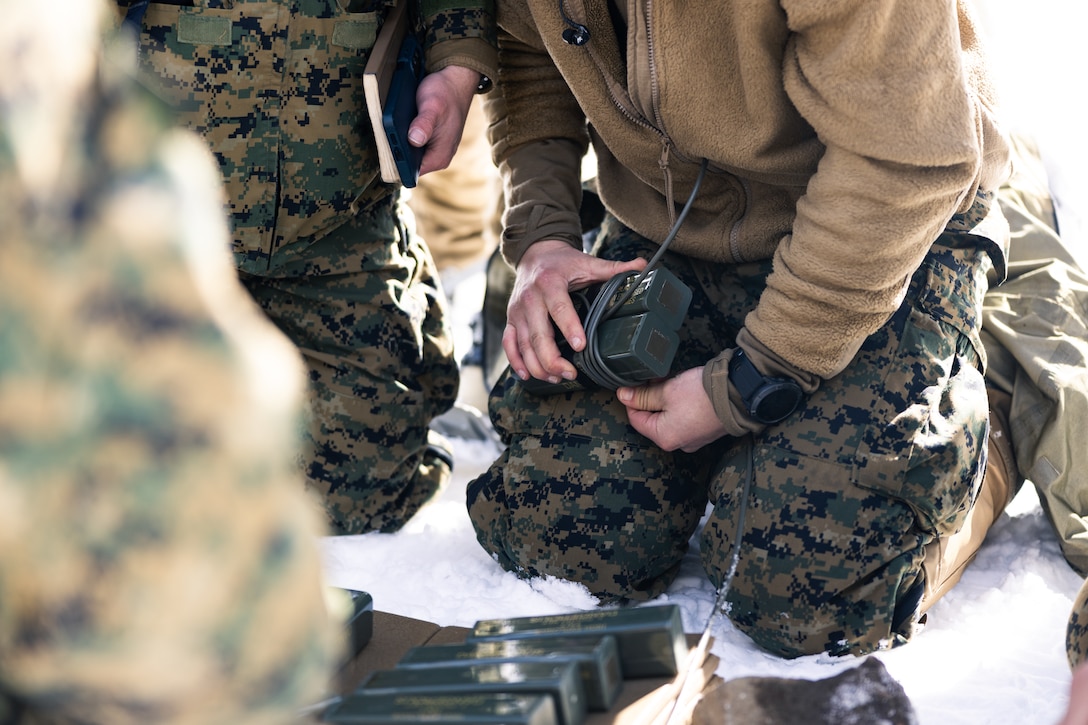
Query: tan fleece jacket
(842, 136)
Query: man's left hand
(676, 414)
(443, 99)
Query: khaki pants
(1035, 329)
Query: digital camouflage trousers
(364, 307)
(843, 496)
(1076, 633)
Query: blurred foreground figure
(158, 560)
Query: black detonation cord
(593, 364)
(698, 654)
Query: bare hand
(443, 99)
(546, 274)
(674, 414)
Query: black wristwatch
(768, 400)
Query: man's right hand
(547, 273)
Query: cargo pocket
(356, 32)
(927, 451)
(357, 23)
(204, 29)
(192, 26)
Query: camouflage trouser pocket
(930, 455)
(845, 494)
(926, 446)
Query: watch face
(769, 400)
(775, 401)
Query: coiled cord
(594, 365)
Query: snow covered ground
(993, 650)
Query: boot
(947, 556)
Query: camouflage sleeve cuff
(462, 34)
(473, 53)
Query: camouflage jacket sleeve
(158, 555)
(462, 34)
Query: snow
(993, 649)
(992, 652)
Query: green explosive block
(482, 708)
(650, 639)
(560, 680)
(597, 658)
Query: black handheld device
(631, 334)
(631, 323)
(400, 109)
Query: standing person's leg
(457, 208)
(457, 212)
(1076, 649)
(845, 495)
(366, 311)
